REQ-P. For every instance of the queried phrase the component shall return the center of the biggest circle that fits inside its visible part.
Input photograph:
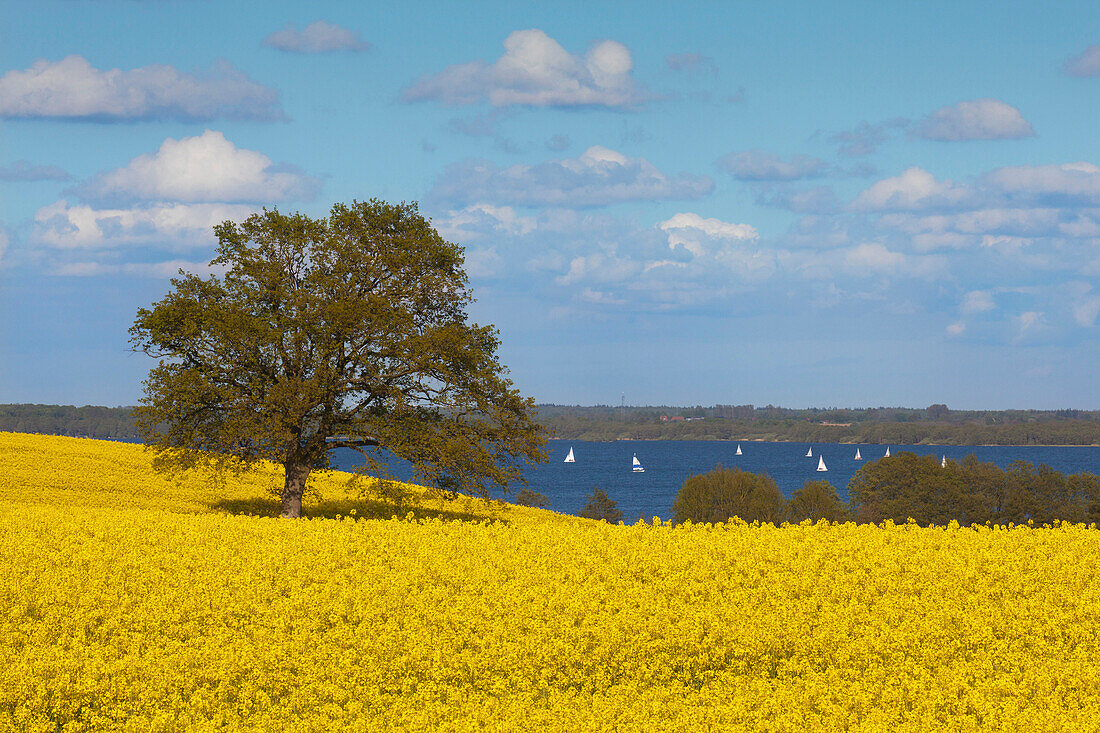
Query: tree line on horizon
(901, 488)
(883, 425)
(935, 424)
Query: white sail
(638, 468)
(569, 458)
(943, 462)
(858, 456)
(887, 453)
(821, 463)
(810, 453)
(738, 451)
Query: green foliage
(601, 506)
(528, 497)
(970, 492)
(724, 493)
(346, 331)
(816, 500)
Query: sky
(830, 204)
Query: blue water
(669, 462)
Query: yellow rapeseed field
(134, 603)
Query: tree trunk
(296, 474)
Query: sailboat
(810, 453)
(638, 467)
(821, 463)
(738, 451)
(858, 456)
(943, 462)
(569, 458)
(887, 453)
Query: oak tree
(345, 331)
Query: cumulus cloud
(1086, 63)
(598, 177)
(66, 226)
(536, 71)
(205, 168)
(979, 119)
(73, 89)
(872, 257)
(318, 37)
(977, 301)
(1068, 183)
(956, 329)
(690, 231)
(25, 171)
(914, 189)
(756, 165)
(474, 222)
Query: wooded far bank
(935, 424)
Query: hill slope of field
(135, 603)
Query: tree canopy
(601, 506)
(346, 331)
(724, 493)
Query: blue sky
(806, 205)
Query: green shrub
(724, 493)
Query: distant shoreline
(831, 442)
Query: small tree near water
(816, 500)
(531, 498)
(724, 493)
(601, 506)
(346, 331)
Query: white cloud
(1066, 182)
(871, 257)
(318, 37)
(536, 71)
(691, 231)
(1087, 311)
(80, 226)
(710, 227)
(756, 165)
(23, 170)
(956, 329)
(1086, 63)
(73, 89)
(977, 301)
(599, 267)
(3, 243)
(598, 177)
(474, 222)
(914, 189)
(1028, 325)
(205, 168)
(483, 262)
(979, 119)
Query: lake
(668, 463)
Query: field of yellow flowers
(136, 603)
